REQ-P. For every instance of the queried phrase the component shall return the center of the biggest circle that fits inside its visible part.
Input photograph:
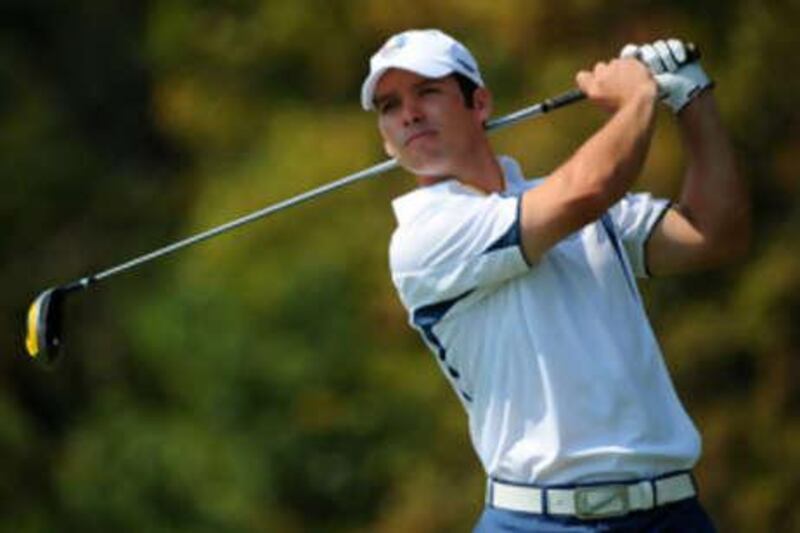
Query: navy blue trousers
(686, 516)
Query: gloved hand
(679, 76)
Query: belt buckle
(601, 501)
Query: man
(525, 290)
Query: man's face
(425, 122)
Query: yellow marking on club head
(32, 339)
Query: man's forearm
(714, 197)
(603, 168)
(611, 160)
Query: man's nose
(412, 112)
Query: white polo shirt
(555, 363)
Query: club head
(43, 338)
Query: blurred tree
(267, 381)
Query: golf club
(44, 338)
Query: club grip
(560, 100)
(574, 95)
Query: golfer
(526, 291)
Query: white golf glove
(680, 77)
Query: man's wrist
(644, 95)
(702, 99)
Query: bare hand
(611, 85)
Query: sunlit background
(267, 380)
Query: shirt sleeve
(635, 217)
(460, 243)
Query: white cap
(429, 53)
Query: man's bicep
(675, 246)
(552, 211)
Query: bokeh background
(267, 380)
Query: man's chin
(426, 169)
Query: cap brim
(427, 71)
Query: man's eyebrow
(422, 83)
(429, 81)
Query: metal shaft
(374, 170)
(540, 108)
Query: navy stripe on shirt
(425, 318)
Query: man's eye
(386, 107)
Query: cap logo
(393, 45)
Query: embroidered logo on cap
(393, 45)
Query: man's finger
(665, 54)
(582, 79)
(650, 57)
(629, 51)
(678, 51)
(599, 66)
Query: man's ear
(482, 100)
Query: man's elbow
(744, 239)
(734, 240)
(735, 251)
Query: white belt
(592, 501)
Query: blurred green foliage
(267, 381)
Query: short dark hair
(468, 88)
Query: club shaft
(534, 110)
(372, 171)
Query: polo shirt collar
(408, 206)
(512, 174)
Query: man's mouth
(418, 135)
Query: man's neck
(481, 171)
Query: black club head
(43, 339)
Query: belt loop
(543, 496)
(490, 492)
(654, 486)
(694, 483)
